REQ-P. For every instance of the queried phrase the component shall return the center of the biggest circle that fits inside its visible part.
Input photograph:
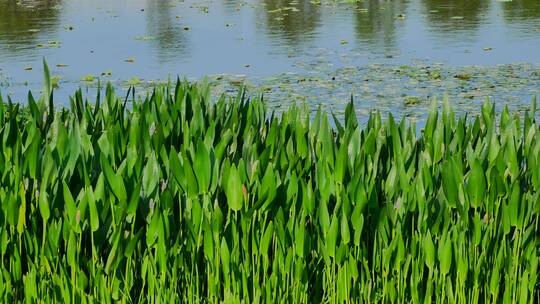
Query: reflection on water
(256, 38)
(164, 31)
(292, 22)
(376, 22)
(458, 18)
(522, 10)
(21, 22)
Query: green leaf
(21, 222)
(523, 290)
(494, 280)
(429, 251)
(331, 237)
(112, 254)
(74, 148)
(152, 229)
(476, 185)
(267, 238)
(176, 169)
(445, 254)
(71, 248)
(47, 74)
(69, 203)
(351, 121)
(130, 248)
(44, 208)
(115, 182)
(299, 237)
(202, 167)
(324, 217)
(449, 183)
(225, 256)
(94, 217)
(151, 175)
(191, 180)
(208, 243)
(235, 198)
(345, 233)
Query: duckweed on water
(175, 198)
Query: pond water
(391, 55)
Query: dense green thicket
(176, 198)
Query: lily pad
(411, 100)
(55, 81)
(134, 81)
(145, 38)
(88, 78)
(463, 76)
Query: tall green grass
(177, 198)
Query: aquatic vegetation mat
(403, 90)
(179, 198)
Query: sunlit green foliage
(175, 198)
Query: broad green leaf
(225, 256)
(429, 251)
(324, 217)
(345, 233)
(44, 207)
(115, 182)
(267, 238)
(69, 203)
(151, 175)
(331, 237)
(476, 185)
(208, 243)
(235, 198)
(71, 246)
(202, 167)
(445, 254)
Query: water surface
(267, 42)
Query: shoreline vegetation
(179, 198)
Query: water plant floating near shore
(178, 198)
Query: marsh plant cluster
(179, 198)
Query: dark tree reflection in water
(291, 25)
(164, 31)
(377, 22)
(519, 11)
(21, 22)
(456, 19)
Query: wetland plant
(177, 198)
